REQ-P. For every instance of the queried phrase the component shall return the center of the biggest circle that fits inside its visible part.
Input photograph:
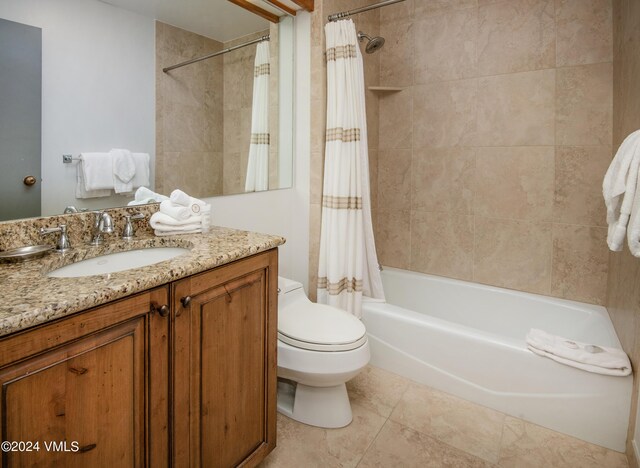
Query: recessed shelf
(386, 89)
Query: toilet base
(326, 407)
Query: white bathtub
(468, 340)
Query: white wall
(283, 212)
(98, 86)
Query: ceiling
(217, 19)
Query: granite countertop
(30, 297)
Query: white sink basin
(115, 262)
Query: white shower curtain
(348, 264)
(258, 165)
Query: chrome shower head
(374, 43)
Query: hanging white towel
(258, 164)
(81, 192)
(124, 169)
(585, 356)
(142, 176)
(97, 171)
(619, 189)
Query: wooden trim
(306, 4)
(257, 10)
(282, 6)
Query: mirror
(86, 76)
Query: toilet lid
(320, 327)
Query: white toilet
(320, 348)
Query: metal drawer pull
(186, 301)
(163, 311)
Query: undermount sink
(120, 261)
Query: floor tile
(464, 425)
(527, 445)
(397, 445)
(377, 390)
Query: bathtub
(468, 339)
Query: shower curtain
(348, 264)
(258, 165)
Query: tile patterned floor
(398, 423)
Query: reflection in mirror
(216, 127)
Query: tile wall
(623, 300)
(489, 162)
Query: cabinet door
(225, 365)
(87, 384)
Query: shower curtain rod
(215, 54)
(344, 14)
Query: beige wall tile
(584, 105)
(458, 423)
(442, 244)
(580, 263)
(513, 254)
(578, 188)
(515, 182)
(585, 32)
(397, 445)
(397, 55)
(516, 36)
(394, 180)
(393, 238)
(395, 129)
(377, 390)
(516, 109)
(373, 178)
(397, 11)
(444, 114)
(527, 445)
(445, 46)
(424, 8)
(442, 179)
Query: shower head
(374, 43)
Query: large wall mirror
(85, 77)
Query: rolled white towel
(144, 196)
(180, 198)
(124, 169)
(178, 212)
(197, 207)
(164, 222)
(589, 357)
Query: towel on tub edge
(585, 356)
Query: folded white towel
(164, 222)
(97, 171)
(177, 231)
(592, 358)
(196, 206)
(142, 164)
(81, 192)
(621, 179)
(178, 212)
(144, 196)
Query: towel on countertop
(620, 183)
(143, 196)
(164, 224)
(178, 212)
(185, 215)
(124, 169)
(592, 358)
(97, 171)
(196, 206)
(180, 198)
(81, 191)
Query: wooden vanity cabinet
(182, 375)
(224, 364)
(94, 383)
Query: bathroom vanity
(173, 364)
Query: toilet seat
(318, 327)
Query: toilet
(320, 348)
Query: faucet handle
(128, 232)
(63, 244)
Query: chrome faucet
(62, 244)
(102, 224)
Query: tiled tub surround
(30, 298)
(489, 162)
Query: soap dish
(23, 254)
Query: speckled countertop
(30, 297)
